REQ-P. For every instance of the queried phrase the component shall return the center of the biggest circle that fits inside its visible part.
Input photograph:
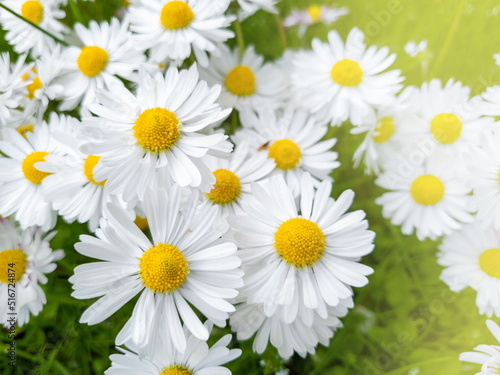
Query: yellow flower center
(240, 81)
(314, 12)
(92, 60)
(32, 174)
(446, 128)
(286, 154)
(489, 261)
(226, 189)
(347, 73)
(427, 190)
(385, 130)
(156, 129)
(88, 169)
(163, 268)
(299, 242)
(12, 265)
(33, 86)
(23, 129)
(141, 222)
(33, 11)
(176, 370)
(176, 15)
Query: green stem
(239, 36)
(281, 31)
(234, 121)
(75, 11)
(35, 25)
(449, 38)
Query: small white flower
(472, 258)
(339, 81)
(248, 83)
(185, 265)
(413, 49)
(172, 28)
(25, 38)
(13, 87)
(25, 258)
(107, 53)
(249, 7)
(314, 14)
(486, 355)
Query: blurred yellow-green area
(406, 321)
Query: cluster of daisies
(121, 125)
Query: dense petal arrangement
(302, 255)
(184, 264)
(486, 355)
(155, 136)
(338, 81)
(25, 259)
(163, 358)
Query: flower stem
(239, 36)
(34, 25)
(281, 30)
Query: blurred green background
(406, 321)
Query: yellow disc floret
(227, 187)
(23, 129)
(141, 222)
(240, 81)
(92, 60)
(385, 130)
(489, 261)
(88, 169)
(299, 242)
(446, 128)
(427, 190)
(156, 129)
(33, 86)
(347, 73)
(286, 154)
(33, 11)
(176, 15)
(176, 370)
(32, 174)
(163, 268)
(314, 12)
(12, 265)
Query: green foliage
(406, 318)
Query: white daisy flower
(162, 358)
(312, 15)
(21, 176)
(483, 164)
(186, 262)
(249, 7)
(145, 140)
(486, 355)
(386, 131)
(72, 188)
(43, 87)
(427, 197)
(338, 81)
(413, 49)
(301, 255)
(450, 119)
(107, 53)
(233, 178)
(491, 105)
(171, 28)
(25, 38)
(472, 259)
(25, 258)
(12, 85)
(247, 82)
(292, 140)
(301, 335)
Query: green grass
(406, 318)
